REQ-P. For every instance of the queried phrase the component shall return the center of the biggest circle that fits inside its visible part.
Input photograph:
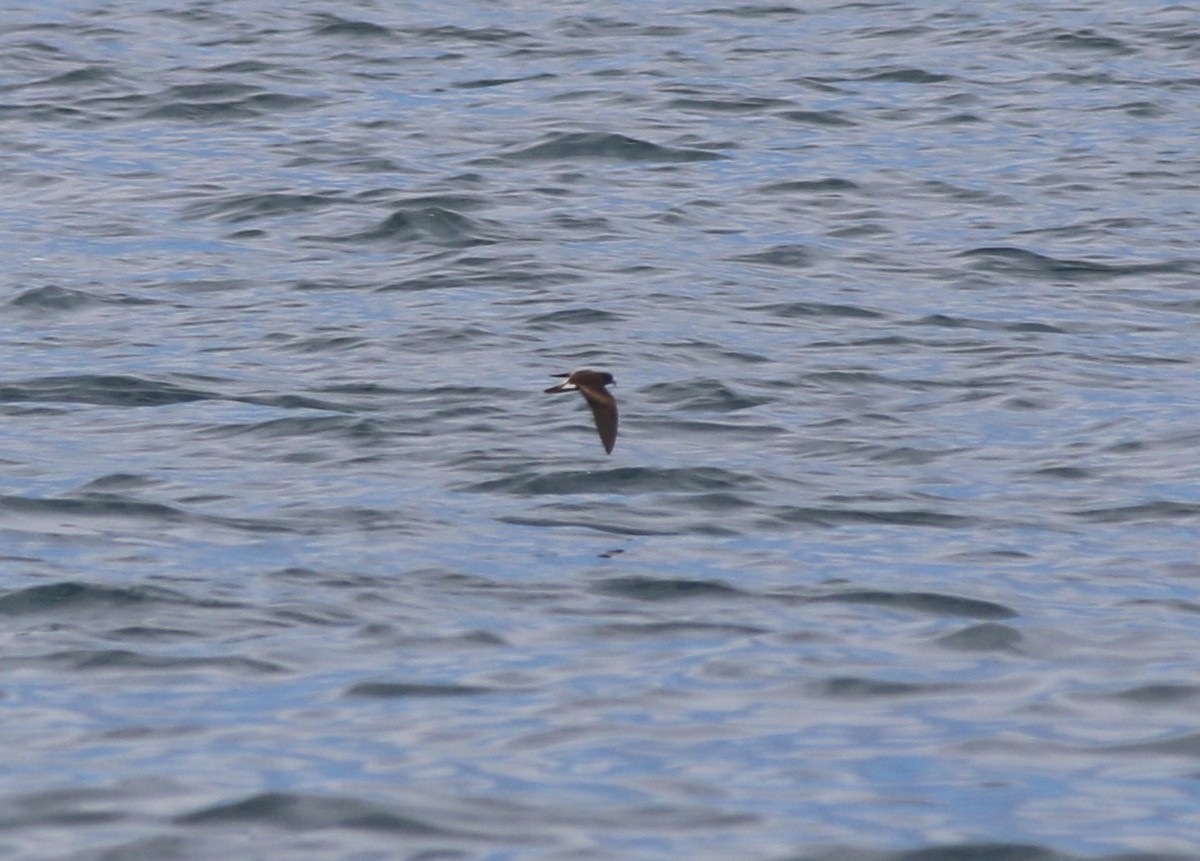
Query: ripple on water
(620, 480)
(895, 556)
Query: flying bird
(591, 384)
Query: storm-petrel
(591, 385)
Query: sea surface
(897, 557)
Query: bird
(591, 384)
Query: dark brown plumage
(591, 384)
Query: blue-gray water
(896, 556)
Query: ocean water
(895, 558)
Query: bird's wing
(604, 411)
